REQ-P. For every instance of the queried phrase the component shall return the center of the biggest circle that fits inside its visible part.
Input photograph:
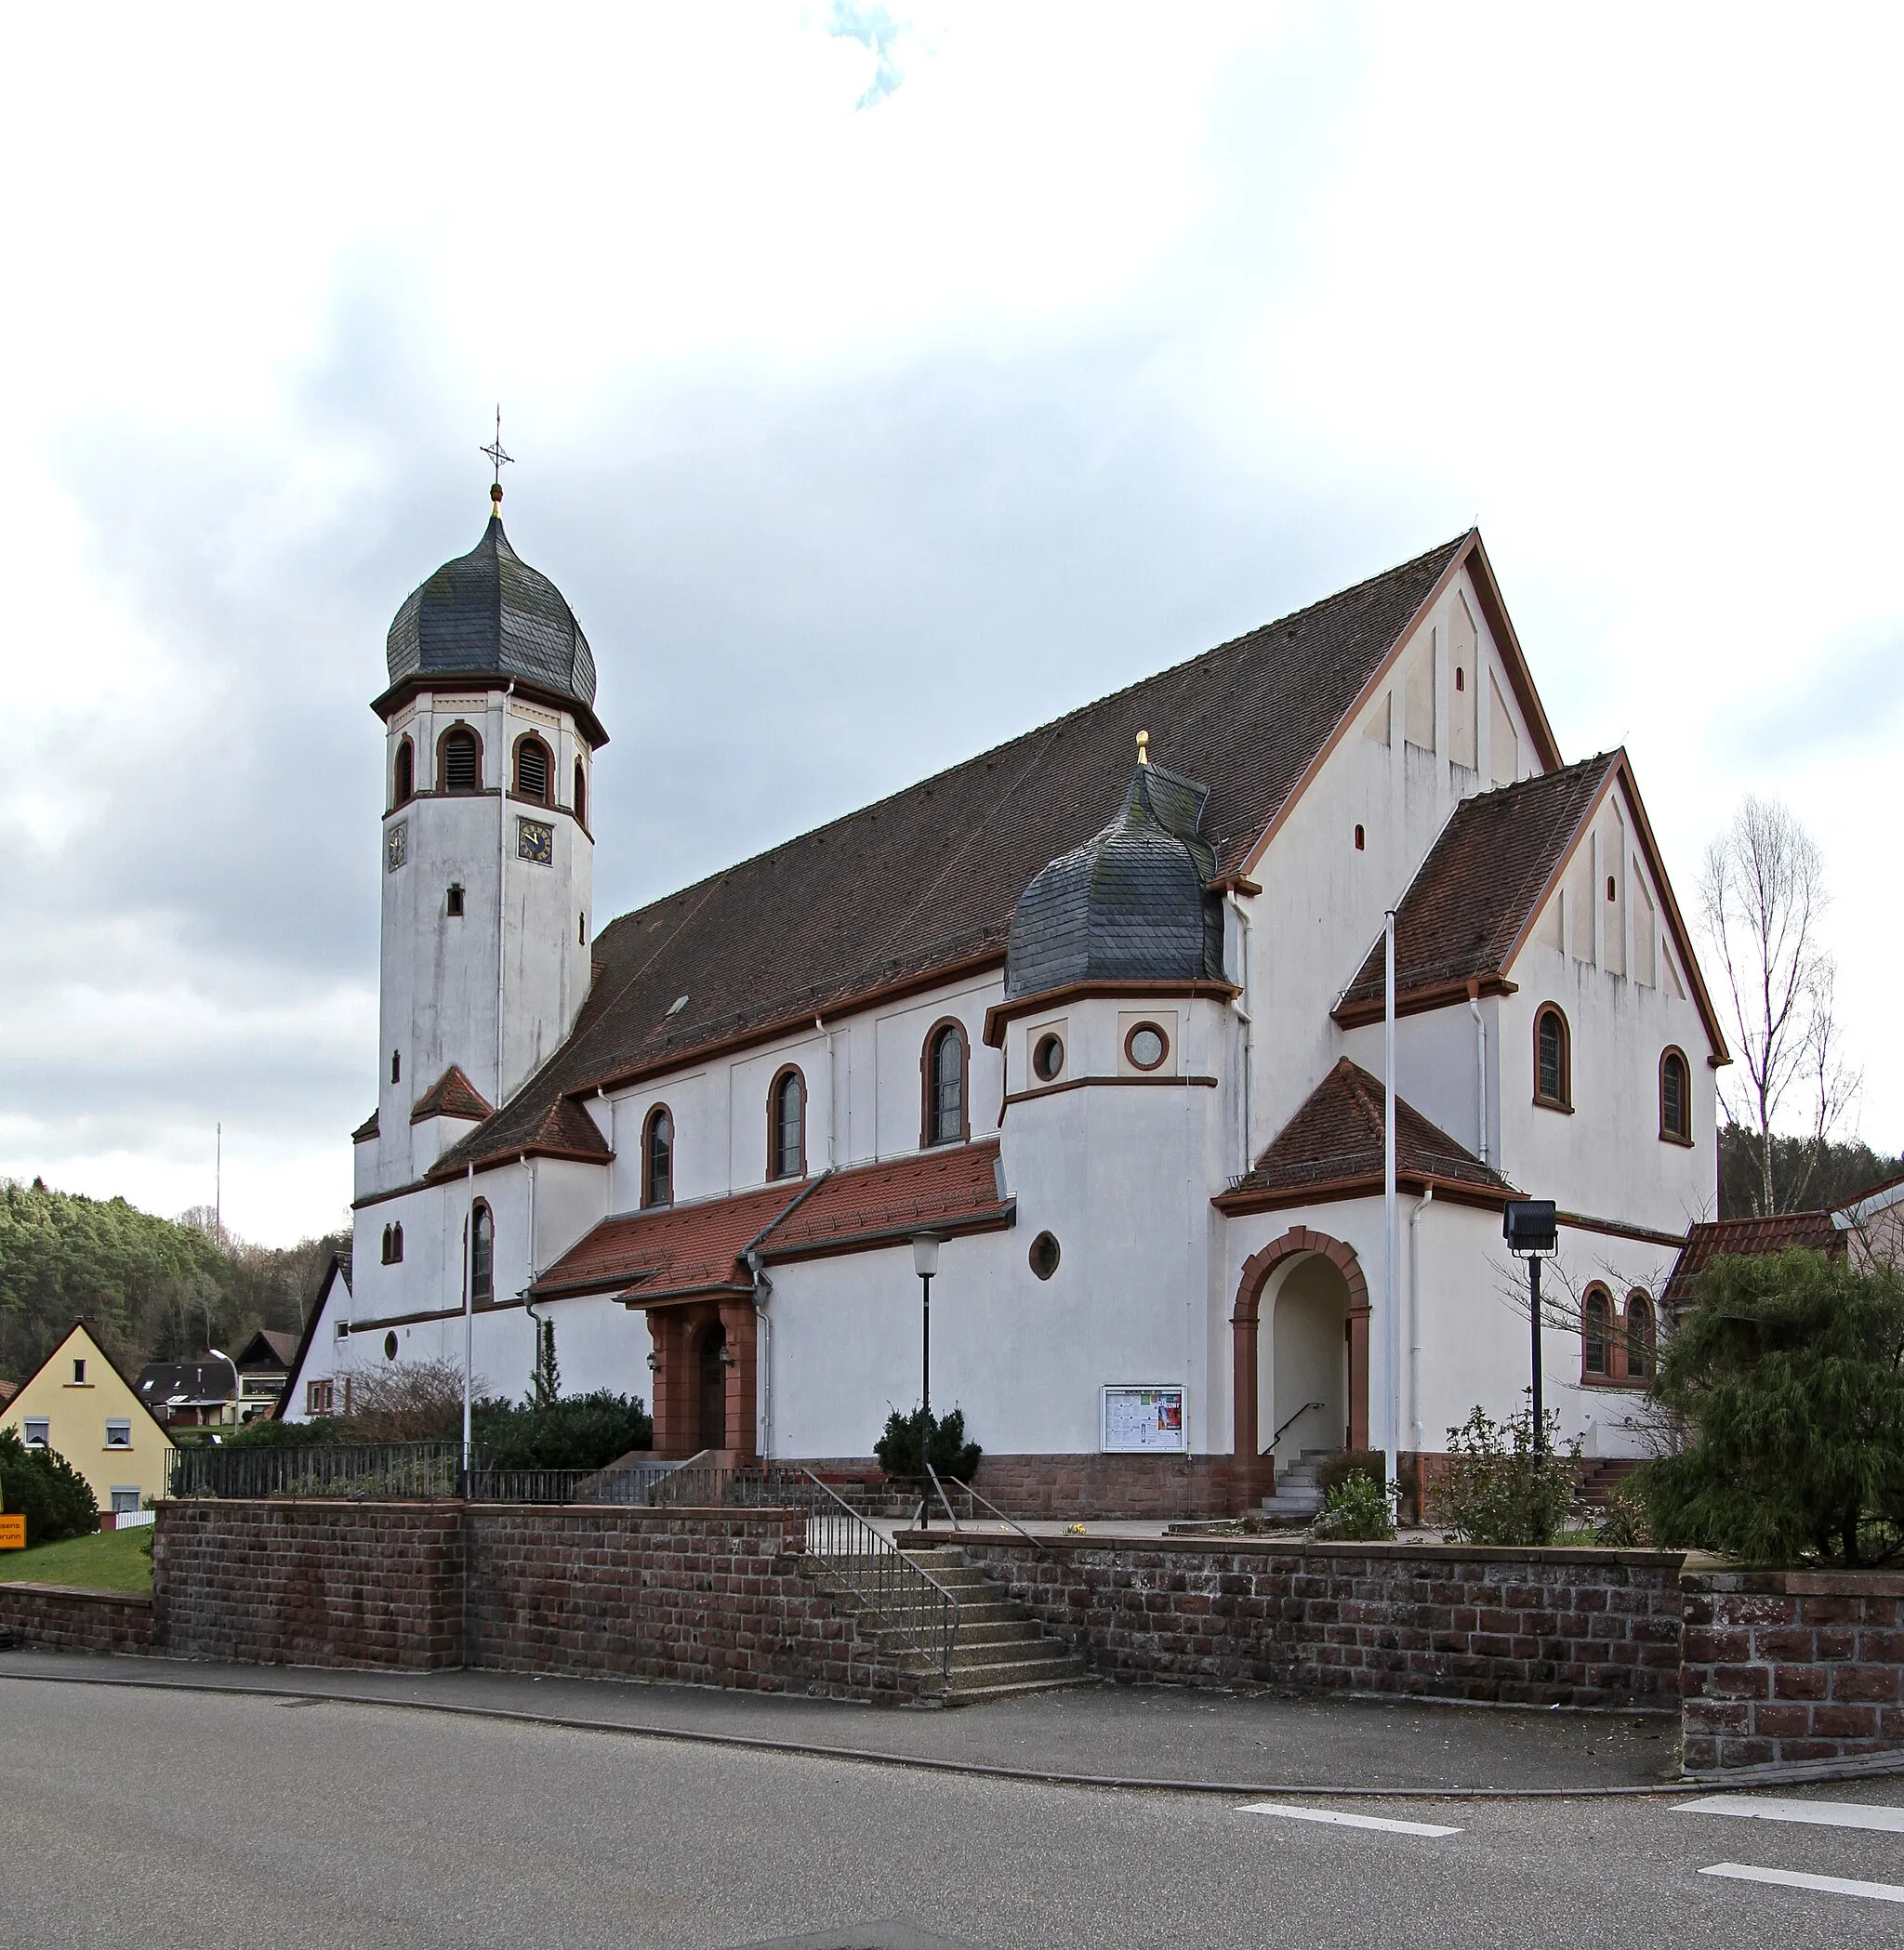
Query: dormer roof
(452, 1095)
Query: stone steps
(1297, 1490)
(1001, 1649)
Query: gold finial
(1143, 747)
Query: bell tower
(487, 857)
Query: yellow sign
(13, 1532)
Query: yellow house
(78, 1403)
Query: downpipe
(1426, 1200)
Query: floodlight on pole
(1531, 1228)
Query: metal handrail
(944, 1499)
(874, 1571)
(1296, 1417)
(1037, 1544)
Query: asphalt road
(130, 1816)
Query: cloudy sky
(882, 381)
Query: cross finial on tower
(497, 458)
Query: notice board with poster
(1145, 1420)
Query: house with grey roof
(1101, 1011)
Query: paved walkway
(1151, 1733)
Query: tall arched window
(944, 1075)
(460, 760)
(386, 1246)
(534, 770)
(1552, 1060)
(1641, 1338)
(396, 1243)
(657, 1157)
(1596, 1334)
(581, 800)
(481, 1253)
(786, 1126)
(1675, 1099)
(405, 784)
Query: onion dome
(489, 615)
(1131, 905)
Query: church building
(1101, 1012)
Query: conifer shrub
(899, 1449)
(40, 1484)
(1499, 1489)
(1787, 1377)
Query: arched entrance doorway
(713, 1406)
(1318, 1304)
(1309, 1361)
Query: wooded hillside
(154, 1289)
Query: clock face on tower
(396, 846)
(535, 840)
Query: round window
(1146, 1046)
(1047, 1059)
(1044, 1255)
(390, 1345)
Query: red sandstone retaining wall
(1792, 1666)
(697, 1597)
(1534, 1627)
(1107, 1485)
(61, 1618)
(714, 1597)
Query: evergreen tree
(1788, 1375)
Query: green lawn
(109, 1560)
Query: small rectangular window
(38, 1433)
(79, 1374)
(126, 1502)
(317, 1398)
(343, 1330)
(454, 904)
(118, 1435)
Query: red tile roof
(1474, 896)
(365, 1131)
(697, 1248)
(1334, 1143)
(452, 1095)
(922, 884)
(1711, 1237)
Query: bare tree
(1762, 894)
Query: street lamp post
(1530, 1228)
(237, 1385)
(925, 1262)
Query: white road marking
(1329, 1815)
(1820, 1814)
(1791, 1878)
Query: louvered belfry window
(532, 770)
(460, 762)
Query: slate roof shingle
(923, 883)
(1473, 897)
(679, 1250)
(1709, 1238)
(488, 614)
(1335, 1140)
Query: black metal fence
(400, 1470)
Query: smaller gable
(1332, 1147)
(1481, 885)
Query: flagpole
(1391, 1404)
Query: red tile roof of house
(1711, 1237)
(1332, 1146)
(1474, 896)
(921, 886)
(699, 1248)
(452, 1095)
